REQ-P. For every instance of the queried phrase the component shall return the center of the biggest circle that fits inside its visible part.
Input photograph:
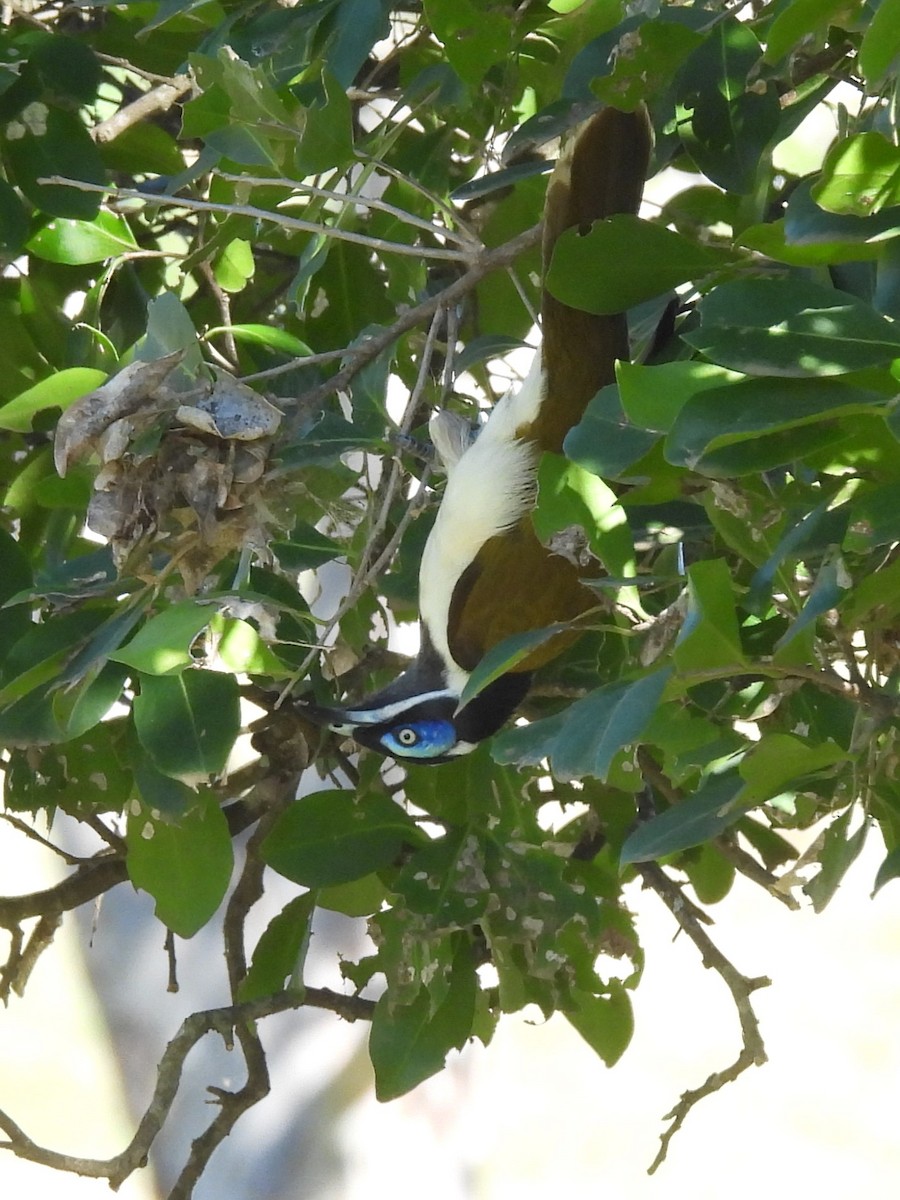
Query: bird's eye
(407, 736)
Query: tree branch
(158, 99)
(228, 1022)
(753, 1052)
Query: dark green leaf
(623, 261)
(791, 327)
(60, 146)
(13, 219)
(280, 951)
(824, 595)
(484, 185)
(506, 656)
(603, 441)
(188, 723)
(697, 818)
(839, 852)
(750, 408)
(327, 837)
(160, 793)
(584, 739)
(652, 397)
(880, 46)
(68, 68)
(357, 25)
(306, 549)
(888, 870)
(15, 576)
(409, 1043)
(732, 124)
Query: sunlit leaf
(184, 865)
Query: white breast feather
(487, 491)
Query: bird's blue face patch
(422, 739)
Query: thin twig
(358, 356)
(753, 1052)
(467, 241)
(262, 214)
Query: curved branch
(228, 1022)
(753, 1051)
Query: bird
(484, 573)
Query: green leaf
(652, 397)
(709, 637)
(357, 25)
(160, 793)
(306, 549)
(799, 19)
(583, 739)
(15, 576)
(264, 335)
(327, 140)
(495, 181)
(77, 242)
(824, 595)
(840, 850)
(163, 645)
(605, 1022)
(860, 176)
(358, 898)
(697, 818)
(41, 653)
(790, 327)
(56, 391)
(888, 870)
(650, 64)
(710, 872)
(280, 951)
(749, 409)
(603, 441)
(67, 67)
(409, 1043)
(504, 657)
(55, 143)
(243, 651)
(186, 867)
(327, 837)
(569, 495)
(235, 265)
(474, 38)
(732, 124)
(623, 261)
(188, 723)
(780, 759)
(880, 46)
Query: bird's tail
(600, 173)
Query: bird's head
(418, 718)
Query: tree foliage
(230, 232)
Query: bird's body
(484, 574)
